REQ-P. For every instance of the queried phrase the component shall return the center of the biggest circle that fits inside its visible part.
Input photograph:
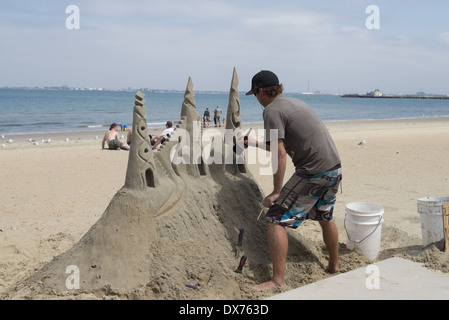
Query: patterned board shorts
(306, 197)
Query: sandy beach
(52, 193)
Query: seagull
(66, 139)
(361, 142)
(3, 136)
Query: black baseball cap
(263, 79)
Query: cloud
(160, 43)
(444, 37)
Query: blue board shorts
(306, 197)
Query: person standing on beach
(217, 114)
(112, 139)
(207, 117)
(311, 191)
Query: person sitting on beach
(112, 138)
(163, 136)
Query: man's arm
(249, 141)
(104, 140)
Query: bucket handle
(360, 241)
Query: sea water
(25, 111)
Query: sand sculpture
(170, 225)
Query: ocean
(27, 111)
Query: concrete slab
(391, 279)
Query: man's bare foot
(333, 269)
(266, 286)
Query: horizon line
(143, 89)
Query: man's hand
(270, 200)
(249, 141)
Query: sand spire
(189, 132)
(233, 118)
(233, 132)
(141, 172)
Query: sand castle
(170, 225)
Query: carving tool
(259, 214)
(244, 138)
(446, 226)
(241, 264)
(192, 286)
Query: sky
(323, 45)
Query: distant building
(375, 93)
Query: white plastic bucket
(363, 224)
(431, 216)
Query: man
(311, 191)
(112, 139)
(207, 117)
(164, 135)
(217, 114)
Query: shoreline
(98, 134)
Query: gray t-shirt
(306, 138)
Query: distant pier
(395, 97)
